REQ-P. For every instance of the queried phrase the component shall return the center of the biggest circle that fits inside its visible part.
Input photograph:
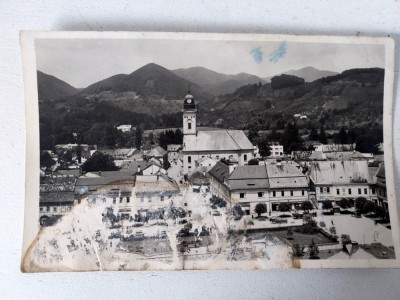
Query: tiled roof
(381, 171)
(220, 171)
(157, 152)
(56, 197)
(218, 140)
(339, 172)
(283, 170)
(155, 184)
(248, 184)
(288, 182)
(249, 172)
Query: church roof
(218, 140)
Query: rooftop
(218, 140)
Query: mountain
(50, 87)
(150, 80)
(353, 96)
(309, 74)
(214, 82)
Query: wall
(282, 16)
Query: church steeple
(189, 114)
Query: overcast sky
(81, 62)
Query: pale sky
(81, 62)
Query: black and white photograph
(174, 151)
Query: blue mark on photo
(257, 55)
(278, 53)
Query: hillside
(309, 74)
(216, 83)
(150, 80)
(354, 96)
(50, 87)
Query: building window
(189, 125)
(241, 195)
(328, 190)
(162, 198)
(282, 193)
(128, 199)
(373, 191)
(245, 157)
(189, 159)
(185, 204)
(365, 191)
(321, 190)
(114, 200)
(273, 194)
(337, 191)
(349, 190)
(302, 192)
(54, 209)
(48, 208)
(359, 191)
(291, 193)
(260, 194)
(120, 199)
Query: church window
(189, 125)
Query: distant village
(330, 200)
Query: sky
(81, 62)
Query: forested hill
(354, 96)
(50, 87)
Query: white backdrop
(283, 16)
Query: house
(287, 184)
(205, 162)
(334, 147)
(276, 150)
(174, 152)
(56, 197)
(217, 144)
(334, 180)
(248, 186)
(112, 188)
(219, 180)
(199, 176)
(118, 154)
(125, 128)
(153, 192)
(381, 187)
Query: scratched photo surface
(173, 154)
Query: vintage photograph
(209, 151)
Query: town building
(219, 180)
(276, 150)
(381, 187)
(125, 128)
(217, 144)
(206, 162)
(334, 180)
(174, 152)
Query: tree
(291, 139)
(368, 207)
(380, 211)
(138, 137)
(224, 161)
(327, 204)
(45, 160)
(284, 80)
(322, 135)
(313, 250)
(253, 162)
(344, 203)
(253, 133)
(313, 136)
(99, 162)
(260, 209)
(359, 203)
(342, 136)
(237, 212)
(166, 163)
(263, 147)
(306, 205)
(332, 230)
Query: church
(217, 144)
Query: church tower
(189, 115)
